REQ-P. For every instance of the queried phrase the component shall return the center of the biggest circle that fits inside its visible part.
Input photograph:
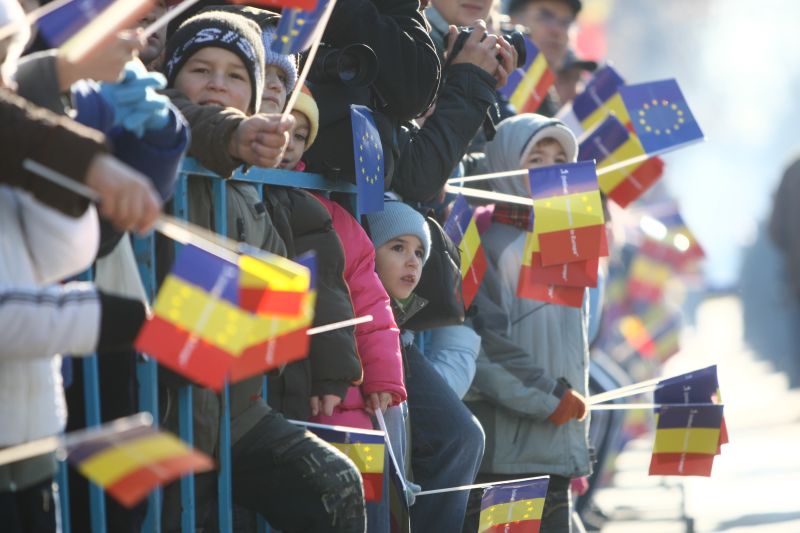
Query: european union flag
(660, 115)
(296, 29)
(62, 23)
(368, 156)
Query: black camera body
(355, 65)
(512, 37)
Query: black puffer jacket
(407, 80)
(333, 363)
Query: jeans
(31, 510)
(446, 446)
(557, 513)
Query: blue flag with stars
(296, 29)
(368, 158)
(660, 115)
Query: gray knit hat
(287, 63)
(398, 219)
(219, 29)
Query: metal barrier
(147, 370)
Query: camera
(512, 37)
(355, 65)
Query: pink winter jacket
(378, 341)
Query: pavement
(755, 483)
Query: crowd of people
(500, 396)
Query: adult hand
(378, 400)
(324, 404)
(102, 64)
(261, 139)
(481, 48)
(127, 198)
(571, 406)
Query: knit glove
(137, 105)
(572, 405)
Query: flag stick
(167, 17)
(33, 16)
(490, 195)
(339, 325)
(508, 173)
(622, 392)
(626, 406)
(479, 485)
(323, 21)
(56, 442)
(382, 425)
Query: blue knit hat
(287, 63)
(399, 219)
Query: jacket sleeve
(37, 80)
(211, 130)
(69, 314)
(429, 154)
(505, 373)
(409, 69)
(378, 341)
(29, 132)
(452, 351)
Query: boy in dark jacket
(215, 62)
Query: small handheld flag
(461, 228)
(513, 507)
(687, 439)
(296, 29)
(63, 22)
(131, 462)
(368, 158)
(306, 5)
(592, 106)
(527, 87)
(365, 447)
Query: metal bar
(62, 479)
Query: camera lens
(355, 65)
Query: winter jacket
(406, 83)
(378, 341)
(526, 346)
(333, 363)
(428, 155)
(452, 351)
(56, 142)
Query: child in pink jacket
(378, 341)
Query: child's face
(215, 76)
(274, 97)
(297, 141)
(544, 153)
(399, 265)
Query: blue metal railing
(147, 370)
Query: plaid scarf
(519, 216)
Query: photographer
(429, 153)
(405, 83)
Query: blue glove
(137, 106)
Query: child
(215, 62)
(446, 442)
(378, 341)
(532, 372)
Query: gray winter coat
(527, 346)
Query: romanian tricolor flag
(647, 277)
(130, 463)
(513, 507)
(527, 86)
(594, 104)
(680, 236)
(296, 29)
(275, 340)
(568, 213)
(461, 228)
(198, 328)
(365, 447)
(655, 334)
(611, 142)
(272, 285)
(687, 440)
